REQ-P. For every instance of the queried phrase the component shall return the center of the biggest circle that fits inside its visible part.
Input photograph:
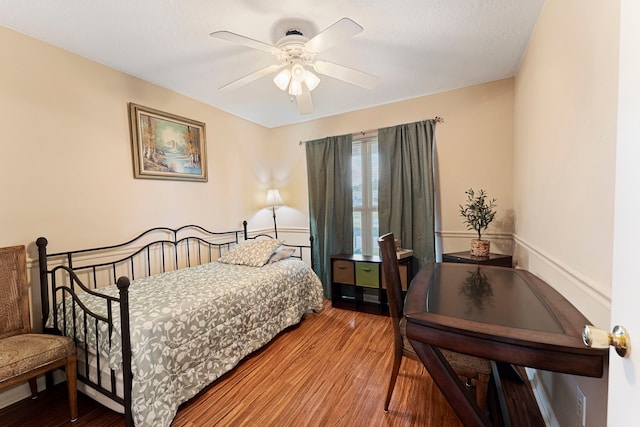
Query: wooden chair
(23, 355)
(473, 370)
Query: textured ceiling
(415, 47)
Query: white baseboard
(16, 394)
(542, 399)
(22, 391)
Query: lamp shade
(311, 80)
(298, 72)
(282, 79)
(295, 88)
(274, 199)
(294, 77)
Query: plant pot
(480, 247)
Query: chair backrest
(14, 299)
(391, 271)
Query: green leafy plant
(478, 212)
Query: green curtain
(330, 201)
(406, 186)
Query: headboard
(300, 249)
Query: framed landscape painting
(166, 146)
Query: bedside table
(466, 258)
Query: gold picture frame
(167, 146)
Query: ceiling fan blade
(337, 32)
(305, 105)
(250, 77)
(245, 41)
(349, 75)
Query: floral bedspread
(190, 326)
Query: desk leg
(451, 387)
(502, 403)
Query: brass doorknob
(597, 338)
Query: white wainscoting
(458, 241)
(556, 393)
(589, 297)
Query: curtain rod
(436, 119)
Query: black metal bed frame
(65, 274)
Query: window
(364, 166)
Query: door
(624, 374)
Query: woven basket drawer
(343, 272)
(368, 274)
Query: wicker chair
(473, 370)
(23, 355)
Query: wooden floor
(331, 370)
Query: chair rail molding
(455, 241)
(472, 234)
(563, 277)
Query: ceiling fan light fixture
(311, 80)
(298, 72)
(295, 88)
(282, 79)
(296, 55)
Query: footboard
(66, 291)
(68, 279)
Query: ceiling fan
(296, 55)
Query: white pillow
(254, 253)
(281, 253)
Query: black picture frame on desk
(465, 257)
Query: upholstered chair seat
(23, 355)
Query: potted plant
(478, 213)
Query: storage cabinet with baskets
(357, 282)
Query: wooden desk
(498, 313)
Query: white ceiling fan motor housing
(292, 49)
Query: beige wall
(549, 161)
(564, 167)
(67, 164)
(473, 149)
